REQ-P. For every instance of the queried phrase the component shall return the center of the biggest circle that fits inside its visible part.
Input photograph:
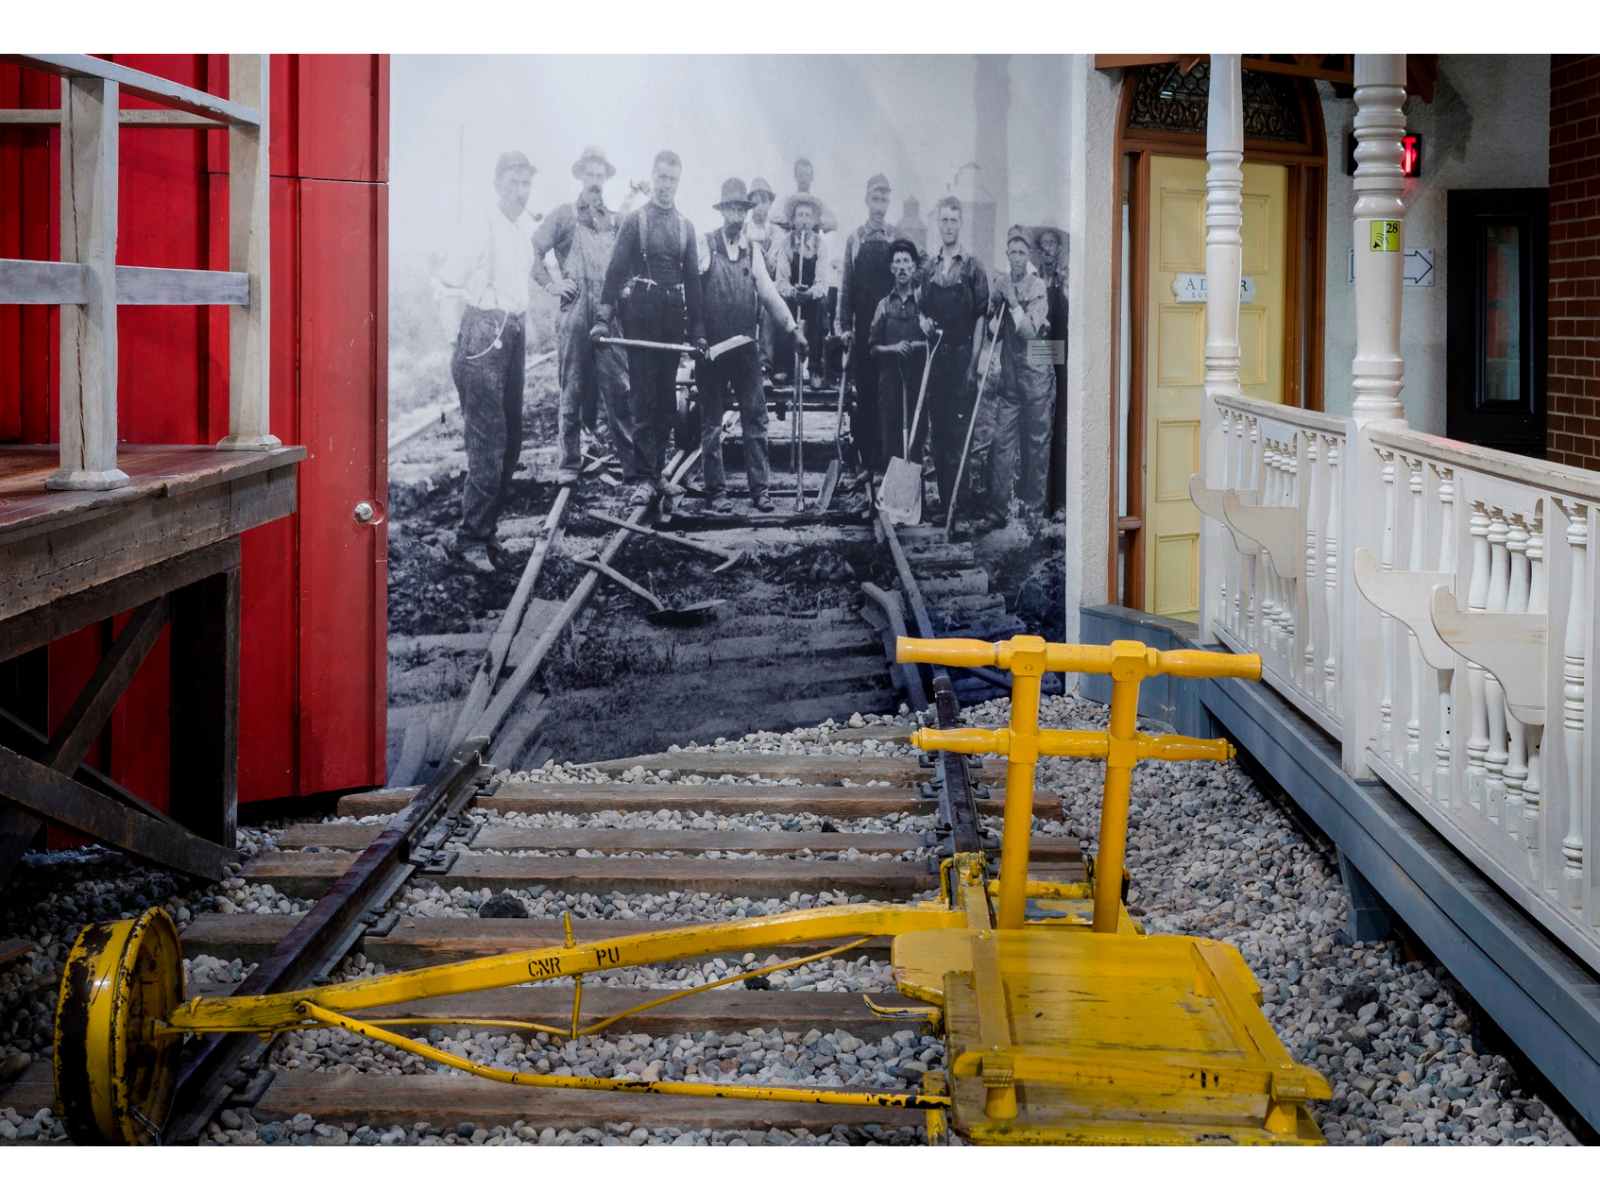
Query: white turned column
(1224, 222)
(1494, 696)
(1309, 591)
(1516, 770)
(1331, 567)
(89, 331)
(1391, 490)
(249, 250)
(1574, 670)
(1378, 369)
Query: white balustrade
(1473, 575)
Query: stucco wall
(1487, 127)
(1091, 145)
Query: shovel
(900, 495)
(712, 353)
(831, 480)
(972, 423)
(697, 613)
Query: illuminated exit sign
(1410, 155)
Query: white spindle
(1573, 671)
(1444, 680)
(1385, 621)
(1413, 755)
(1516, 732)
(1494, 697)
(1330, 577)
(1308, 592)
(1477, 600)
(1533, 785)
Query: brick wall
(1574, 318)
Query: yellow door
(1175, 339)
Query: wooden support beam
(157, 118)
(89, 330)
(42, 625)
(249, 252)
(33, 281)
(30, 743)
(51, 796)
(204, 702)
(81, 68)
(80, 728)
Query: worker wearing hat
(955, 293)
(763, 234)
(583, 235)
(867, 280)
(803, 272)
(734, 287)
(652, 288)
(804, 175)
(483, 289)
(1023, 406)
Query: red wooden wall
(312, 705)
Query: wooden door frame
(1304, 284)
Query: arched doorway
(1158, 312)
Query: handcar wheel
(114, 1078)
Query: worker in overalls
(897, 324)
(802, 275)
(653, 286)
(734, 288)
(1024, 404)
(867, 280)
(955, 294)
(763, 234)
(1053, 270)
(583, 234)
(483, 288)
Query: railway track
(397, 878)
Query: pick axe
(712, 352)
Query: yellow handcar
(1063, 1022)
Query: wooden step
(715, 798)
(300, 874)
(430, 941)
(445, 1100)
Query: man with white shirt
(484, 300)
(734, 287)
(803, 270)
(1024, 403)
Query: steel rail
(325, 934)
(958, 807)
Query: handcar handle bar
(1125, 660)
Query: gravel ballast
(1208, 855)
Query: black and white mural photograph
(698, 329)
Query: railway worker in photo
(955, 295)
(652, 288)
(1053, 270)
(804, 176)
(898, 324)
(1025, 401)
(866, 279)
(735, 288)
(802, 273)
(763, 233)
(583, 235)
(483, 289)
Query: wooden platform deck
(166, 548)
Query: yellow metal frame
(944, 949)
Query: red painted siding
(314, 607)
(1574, 316)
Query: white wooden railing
(1471, 596)
(1431, 605)
(88, 284)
